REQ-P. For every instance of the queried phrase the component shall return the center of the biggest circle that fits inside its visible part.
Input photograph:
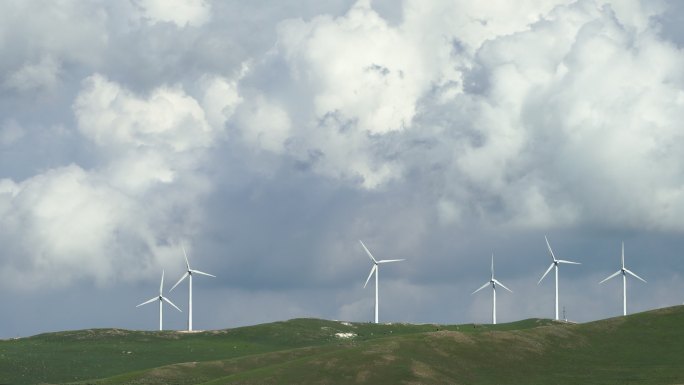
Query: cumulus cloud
(539, 86)
(128, 213)
(221, 98)
(111, 116)
(550, 121)
(264, 124)
(355, 65)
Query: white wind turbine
(188, 273)
(375, 269)
(492, 281)
(624, 271)
(161, 299)
(554, 265)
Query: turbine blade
(611, 276)
(549, 246)
(547, 272)
(180, 280)
(634, 275)
(171, 303)
(202, 273)
(186, 256)
(161, 285)
(369, 275)
(481, 287)
(502, 285)
(368, 252)
(492, 265)
(148, 301)
(391, 260)
(623, 255)
(568, 262)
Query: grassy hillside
(646, 348)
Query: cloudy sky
(269, 137)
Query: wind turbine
(624, 271)
(554, 265)
(493, 282)
(188, 273)
(375, 269)
(161, 299)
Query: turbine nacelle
(189, 271)
(375, 263)
(556, 262)
(623, 270)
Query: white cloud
(221, 98)
(356, 65)
(40, 76)
(571, 107)
(111, 116)
(123, 218)
(65, 221)
(194, 13)
(264, 124)
(572, 123)
(337, 148)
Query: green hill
(645, 348)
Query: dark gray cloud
(670, 23)
(269, 138)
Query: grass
(645, 348)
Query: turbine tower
(493, 282)
(624, 271)
(554, 265)
(375, 269)
(188, 273)
(161, 299)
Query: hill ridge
(640, 348)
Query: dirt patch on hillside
(192, 364)
(451, 335)
(565, 332)
(382, 348)
(164, 372)
(426, 374)
(92, 334)
(422, 370)
(362, 376)
(218, 332)
(542, 338)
